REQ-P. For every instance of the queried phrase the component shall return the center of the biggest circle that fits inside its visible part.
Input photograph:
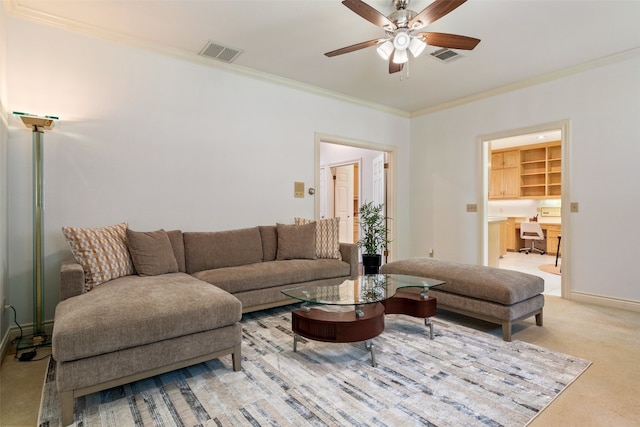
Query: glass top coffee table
(367, 299)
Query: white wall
(603, 107)
(159, 142)
(4, 258)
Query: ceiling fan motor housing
(402, 17)
(400, 4)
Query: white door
(379, 185)
(344, 201)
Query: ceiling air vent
(218, 52)
(445, 55)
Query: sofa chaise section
(136, 327)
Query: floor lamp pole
(37, 125)
(38, 236)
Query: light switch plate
(574, 207)
(298, 189)
(472, 207)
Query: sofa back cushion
(296, 241)
(209, 250)
(151, 252)
(269, 235)
(177, 243)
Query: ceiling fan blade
(393, 67)
(452, 41)
(370, 14)
(353, 48)
(433, 12)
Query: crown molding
(542, 78)
(16, 10)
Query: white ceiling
(523, 41)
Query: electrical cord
(27, 356)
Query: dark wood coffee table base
(412, 304)
(363, 323)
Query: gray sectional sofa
(184, 304)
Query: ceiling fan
(403, 31)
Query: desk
(549, 245)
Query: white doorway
(368, 159)
(527, 204)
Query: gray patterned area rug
(461, 378)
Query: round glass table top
(367, 289)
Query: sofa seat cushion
(135, 310)
(485, 283)
(273, 273)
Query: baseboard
(14, 332)
(606, 301)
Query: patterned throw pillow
(327, 237)
(102, 252)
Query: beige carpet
(550, 268)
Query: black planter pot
(371, 263)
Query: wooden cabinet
(494, 239)
(504, 236)
(553, 231)
(541, 170)
(504, 178)
(504, 159)
(512, 239)
(554, 170)
(529, 172)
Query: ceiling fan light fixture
(401, 41)
(400, 57)
(416, 46)
(385, 49)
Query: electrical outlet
(430, 253)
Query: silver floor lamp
(37, 125)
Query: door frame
(391, 176)
(483, 193)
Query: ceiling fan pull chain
(406, 72)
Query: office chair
(531, 231)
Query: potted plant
(374, 240)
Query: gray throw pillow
(151, 252)
(296, 241)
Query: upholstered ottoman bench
(491, 294)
